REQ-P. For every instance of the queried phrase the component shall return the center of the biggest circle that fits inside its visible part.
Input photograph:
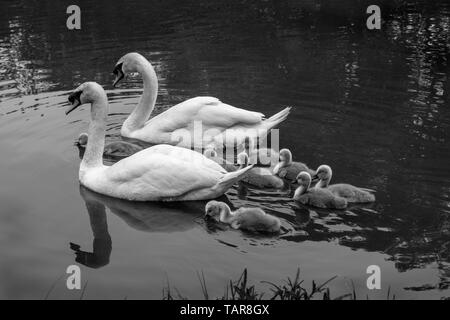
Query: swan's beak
(118, 73)
(314, 178)
(74, 99)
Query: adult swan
(218, 124)
(159, 173)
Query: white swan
(250, 219)
(349, 192)
(219, 124)
(159, 173)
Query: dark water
(372, 104)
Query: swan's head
(82, 139)
(242, 159)
(212, 210)
(129, 63)
(210, 153)
(324, 173)
(285, 156)
(304, 180)
(88, 92)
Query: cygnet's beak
(208, 215)
(74, 100)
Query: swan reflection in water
(351, 228)
(142, 216)
(102, 245)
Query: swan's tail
(277, 118)
(231, 178)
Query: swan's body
(219, 124)
(114, 149)
(288, 169)
(212, 154)
(259, 177)
(250, 219)
(349, 192)
(158, 173)
(316, 197)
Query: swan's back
(255, 219)
(211, 111)
(228, 166)
(351, 193)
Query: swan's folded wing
(183, 154)
(212, 112)
(159, 176)
(222, 115)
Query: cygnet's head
(129, 63)
(285, 156)
(212, 210)
(87, 92)
(82, 139)
(324, 172)
(304, 180)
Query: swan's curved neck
(93, 156)
(287, 161)
(142, 112)
(225, 213)
(97, 217)
(323, 183)
(282, 164)
(301, 190)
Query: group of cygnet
(170, 171)
(322, 195)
